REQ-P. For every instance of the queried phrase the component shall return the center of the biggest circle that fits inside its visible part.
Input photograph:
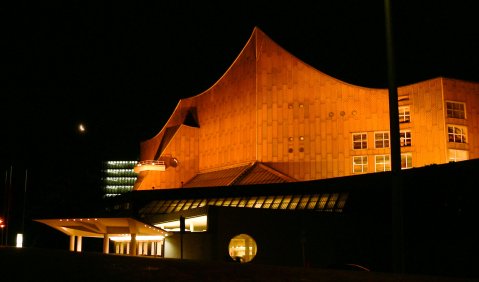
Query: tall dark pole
(396, 182)
(5, 205)
(8, 196)
(24, 202)
(182, 231)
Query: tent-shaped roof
(256, 173)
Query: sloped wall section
(271, 108)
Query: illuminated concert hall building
(280, 162)
(274, 115)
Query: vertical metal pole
(8, 205)
(5, 204)
(396, 182)
(182, 231)
(24, 202)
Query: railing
(150, 165)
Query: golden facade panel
(270, 108)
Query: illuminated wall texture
(272, 108)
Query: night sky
(120, 67)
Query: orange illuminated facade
(272, 118)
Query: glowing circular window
(242, 248)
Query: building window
(405, 140)
(456, 110)
(404, 114)
(360, 164)
(242, 248)
(406, 160)
(458, 155)
(382, 163)
(360, 141)
(381, 139)
(456, 134)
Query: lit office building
(118, 177)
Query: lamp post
(396, 180)
(2, 225)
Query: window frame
(362, 165)
(386, 163)
(453, 113)
(404, 115)
(404, 138)
(406, 156)
(363, 140)
(455, 158)
(462, 136)
(383, 140)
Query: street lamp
(2, 225)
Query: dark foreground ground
(30, 264)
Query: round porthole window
(242, 248)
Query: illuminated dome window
(242, 248)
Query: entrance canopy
(99, 227)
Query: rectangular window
(332, 202)
(456, 134)
(304, 201)
(251, 202)
(458, 155)
(285, 202)
(277, 201)
(294, 202)
(360, 141)
(404, 114)
(405, 140)
(313, 201)
(406, 160)
(219, 202)
(268, 202)
(381, 139)
(242, 203)
(323, 200)
(196, 203)
(360, 164)
(259, 202)
(341, 201)
(234, 202)
(456, 110)
(383, 163)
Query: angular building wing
(272, 118)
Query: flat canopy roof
(98, 227)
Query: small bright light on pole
(2, 225)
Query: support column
(72, 243)
(106, 243)
(122, 248)
(145, 248)
(133, 245)
(79, 242)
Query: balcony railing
(150, 165)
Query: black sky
(121, 66)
